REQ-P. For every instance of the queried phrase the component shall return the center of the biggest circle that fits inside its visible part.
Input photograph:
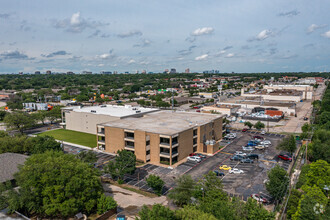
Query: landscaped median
(75, 137)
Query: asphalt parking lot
(255, 174)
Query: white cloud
(131, 61)
(143, 43)
(130, 34)
(202, 57)
(105, 56)
(101, 64)
(203, 31)
(230, 55)
(264, 35)
(314, 27)
(326, 34)
(75, 19)
(220, 53)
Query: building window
(165, 151)
(174, 160)
(148, 152)
(165, 141)
(175, 150)
(174, 140)
(147, 142)
(195, 141)
(165, 161)
(129, 144)
(129, 135)
(194, 149)
(195, 132)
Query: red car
(259, 198)
(245, 130)
(258, 137)
(193, 154)
(285, 157)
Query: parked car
(236, 171)
(266, 142)
(260, 147)
(200, 155)
(252, 144)
(224, 167)
(240, 153)
(245, 129)
(253, 156)
(258, 137)
(263, 132)
(237, 158)
(247, 148)
(218, 173)
(247, 160)
(285, 157)
(192, 154)
(305, 118)
(194, 158)
(259, 198)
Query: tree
(105, 203)
(156, 183)
(40, 116)
(249, 124)
(157, 212)
(293, 202)
(254, 211)
(311, 205)
(41, 144)
(87, 156)
(259, 125)
(19, 120)
(54, 114)
(288, 144)
(2, 115)
(278, 182)
(318, 174)
(55, 185)
(184, 190)
(190, 212)
(123, 164)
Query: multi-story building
(85, 118)
(162, 137)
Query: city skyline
(240, 36)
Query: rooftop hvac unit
(134, 108)
(102, 106)
(93, 111)
(138, 111)
(207, 142)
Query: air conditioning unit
(93, 111)
(138, 111)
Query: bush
(105, 203)
(156, 183)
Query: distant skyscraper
(37, 72)
(173, 70)
(187, 70)
(20, 73)
(144, 71)
(115, 72)
(106, 72)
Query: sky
(154, 35)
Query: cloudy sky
(153, 35)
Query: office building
(162, 137)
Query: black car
(218, 173)
(246, 160)
(253, 156)
(237, 157)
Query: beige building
(221, 108)
(275, 95)
(162, 137)
(307, 90)
(85, 119)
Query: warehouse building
(85, 118)
(228, 110)
(162, 137)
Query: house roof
(9, 165)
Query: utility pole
(172, 101)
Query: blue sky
(153, 35)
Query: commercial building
(223, 109)
(32, 106)
(85, 118)
(275, 95)
(162, 137)
(307, 90)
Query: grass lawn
(75, 137)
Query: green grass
(75, 137)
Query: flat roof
(9, 165)
(164, 122)
(112, 110)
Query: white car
(266, 142)
(247, 148)
(263, 132)
(194, 158)
(236, 171)
(240, 153)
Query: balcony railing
(128, 147)
(101, 141)
(164, 154)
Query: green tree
(184, 190)
(259, 125)
(190, 212)
(157, 212)
(311, 205)
(288, 144)
(318, 174)
(156, 183)
(41, 144)
(254, 211)
(2, 115)
(278, 182)
(19, 121)
(82, 98)
(123, 164)
(87, 156)
(54, 114)
(105, 203)
(249, 124)
(41, 116)
(56, 185)
(293, 202)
